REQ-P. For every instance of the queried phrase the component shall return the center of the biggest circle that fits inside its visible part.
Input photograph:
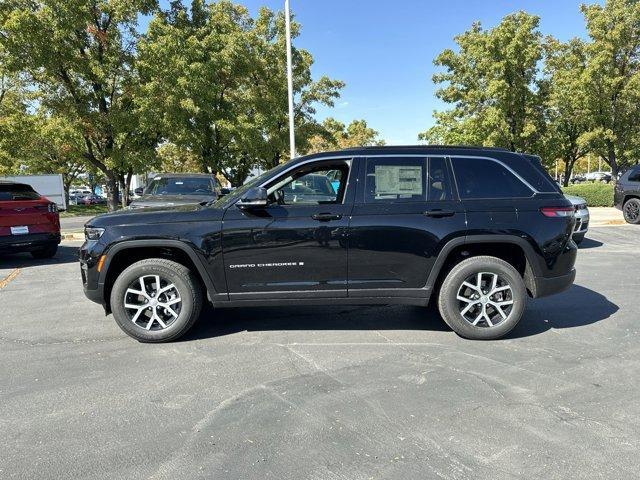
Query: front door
(296, 247)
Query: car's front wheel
(631, 211)
(482, 298)
(156, 300)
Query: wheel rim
(632, 210)
(152, 302)
(485, 299)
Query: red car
(29, 222)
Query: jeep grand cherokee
(476, 229)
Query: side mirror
(254, 198)
(224, 191)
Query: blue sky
(384, 50)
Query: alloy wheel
(632, 211)
(152, 302)
(485, 299)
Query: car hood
(575, 200)
(169, 200)
(181, 213)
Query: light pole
(292, 136)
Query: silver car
(582, 217)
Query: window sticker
(398, 180)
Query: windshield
(238, 192)
(180, 186)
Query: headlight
(91, 233)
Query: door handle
(438, 213)
(326, 217)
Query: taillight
(557, 211)
(53, 208)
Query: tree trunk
(611, 159)
(568, 169)
(125, 188)
(112, 194)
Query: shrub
(596, 194)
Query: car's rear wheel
(46, 252)
(482, 298)
(156, 300)
(631, 211)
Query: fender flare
(163, 243)
(529, 253)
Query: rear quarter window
(483, 178)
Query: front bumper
(582, 223)
(28, 243)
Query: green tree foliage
(80, 56)
(16, 124)
(335, 135)
(492, 86)
(612, 81)
(566, 111)
(214, 79)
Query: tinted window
(480, 178)
(311, 185)
(395, 179)
(180, 186)
(438, 181)
(634, 176)
(17, 192)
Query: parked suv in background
(626, 195)
(170, 189)
(582, 217)
(477, 229)
(29, 222)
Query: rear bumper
(27, 243)
(550, 286)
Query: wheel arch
(123, 254)
(515, 250)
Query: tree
(336, 135)
(56, 147)
(215, 79)
(566, 110)
(80, 57)
(612, 80)
(16, 123)
(491, 83)
(179, 160)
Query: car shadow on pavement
(577, 307)
(590, 243)
(220, 322)
(65, 254)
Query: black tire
(46, 252)
(450, 306)
(186, 284)
(631, 211)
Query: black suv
(626, 195)
(478, 229)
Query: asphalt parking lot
(323, 393)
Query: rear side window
(634, 176)
(396, 179)
(17, 192)
(481, 178)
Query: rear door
(404, 213)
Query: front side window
(311, 185)
(481, 178)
